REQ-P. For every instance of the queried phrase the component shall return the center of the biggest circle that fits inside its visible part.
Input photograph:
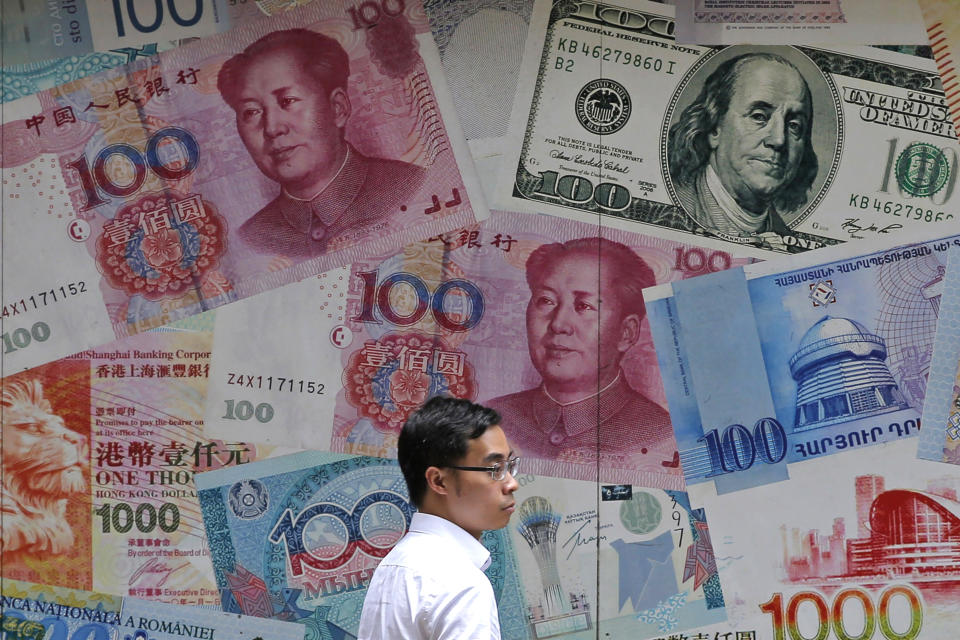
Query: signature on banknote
(159, 570)
(855, 228)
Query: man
(741, 155)
(460, 473)
(584, 314)
(289, 92)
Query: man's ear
(340, 103)
(629, 332)
(437, 480)
(713, 139)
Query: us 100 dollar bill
(756, 148)
(185, 181)
(99, 452)
(35, 611)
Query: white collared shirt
(431, 586)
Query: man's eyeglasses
(497, 471)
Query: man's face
(575, 326)
(478, 502)
(290, 126)
(760, 140)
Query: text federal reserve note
(35, 611)
(297, 538)
(99, 452)
(755, 148)
(820, 353)
(507, 314)
(218, 170)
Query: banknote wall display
(940, 438)
(861, 544)
(297, 538)
(763, 150)
(181, 182)
(34, 612)
(506, 313)
(823, 352)
(99, 452)
(799, 22)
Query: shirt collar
(583, 415)
(744, 220)
(328, 207)
(435, 525)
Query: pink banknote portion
(769, 11)
(286, 147)
(99, 452)
(540, 318)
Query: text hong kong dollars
(218, 170)
(99, 452)
(821, 353)
(507, 314)
(757, 148)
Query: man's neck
(563, 396)
(312, 191)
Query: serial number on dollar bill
(607, 54)
(898, 209)
(276, 383)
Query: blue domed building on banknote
(841, 373)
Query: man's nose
(560, 319)
(510, 483)
(776, 134)
(274, 122)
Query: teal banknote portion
(818, 355)
(297, 538)
(38, 612)
(940, 438)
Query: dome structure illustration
(842, 374)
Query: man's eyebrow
(497, 457)
(760, 104)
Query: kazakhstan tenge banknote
(298, 537)
(940, 438)
(34, 612)
(821, 353)
(757, 149)
(506, 313)
(139, 195)
(99, 452)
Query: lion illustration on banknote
(42, 469)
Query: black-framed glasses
(497, 471)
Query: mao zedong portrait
(289, 92)
(741, 155)
(582, 318)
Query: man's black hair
(438, 434)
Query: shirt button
(556, 438)
(317, 234)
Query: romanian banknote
(506, 313)
(861, 544)
(940, 438)
(616, 120)
(943, 27)
(820, 353)
(131, 198)
(99, 452)
(297, 538)
(799, 22)
(35, 32)
(34, 612)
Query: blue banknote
(775, 363)
(940, 438)
(296, 538)
(39, 612)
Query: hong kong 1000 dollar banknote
(844, 548)
(506, 313)
(36, 611)
(214, 171)
(755, 148)
(821, 353)
(297, 538)
(99, 452)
